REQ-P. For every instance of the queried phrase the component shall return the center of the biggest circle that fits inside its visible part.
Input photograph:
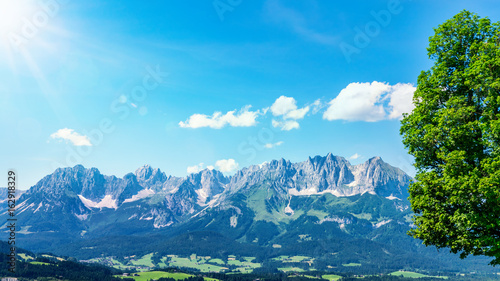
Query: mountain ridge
(276, 208)
(82, 201)
(318, 174)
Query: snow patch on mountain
(304, 192)
(233, 221)
(289, 210)
(337, 219)
(106, 202)
(142, 194)
(82, 217)
(159, 225)
(38, 208)
(384, 222)
(337, 193)
(146, 218)
(26, 208)
(202, 196)
(392, 197)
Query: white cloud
(286, 125)
(368, 102)
(401, 100)
(289, 125)
(275, 123)
(227, 165)
(222, 165)
(244, 118)
(354, 156)
(317, 105)
(297, 114)
(286, 107)
(72, 136)
(195, 168)
(283, 105)
(271, 145)
(358, 101)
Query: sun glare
(25, 26)
(13, 13)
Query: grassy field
(351, 264)
(145, 276)
(409, 274)
(257, 202)
(319, 214)
(199, 263)
(119, 265)
(365, 216)
(217, 261)
(288, 269)
(39, 262)
(144, 261)
(281, 258)
(202, 263)
(299, 258)
(331, 277)
(57, 258)
(26, 257)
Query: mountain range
(324, 208)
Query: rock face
(208, 184)
(381, 178)
(330, 174)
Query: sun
(23, 24)
(13, 13)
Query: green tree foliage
(454, 135)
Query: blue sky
(186, 85)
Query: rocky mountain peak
(149, 176)
(375, 160)
(208, 183)
(144, 172)
(327, 162)
(383, 178)
(279, 164)
(77, 180)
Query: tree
(454, 135)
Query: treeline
(280, 276)
(67, 270)
(399, 278)
(277, 276)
